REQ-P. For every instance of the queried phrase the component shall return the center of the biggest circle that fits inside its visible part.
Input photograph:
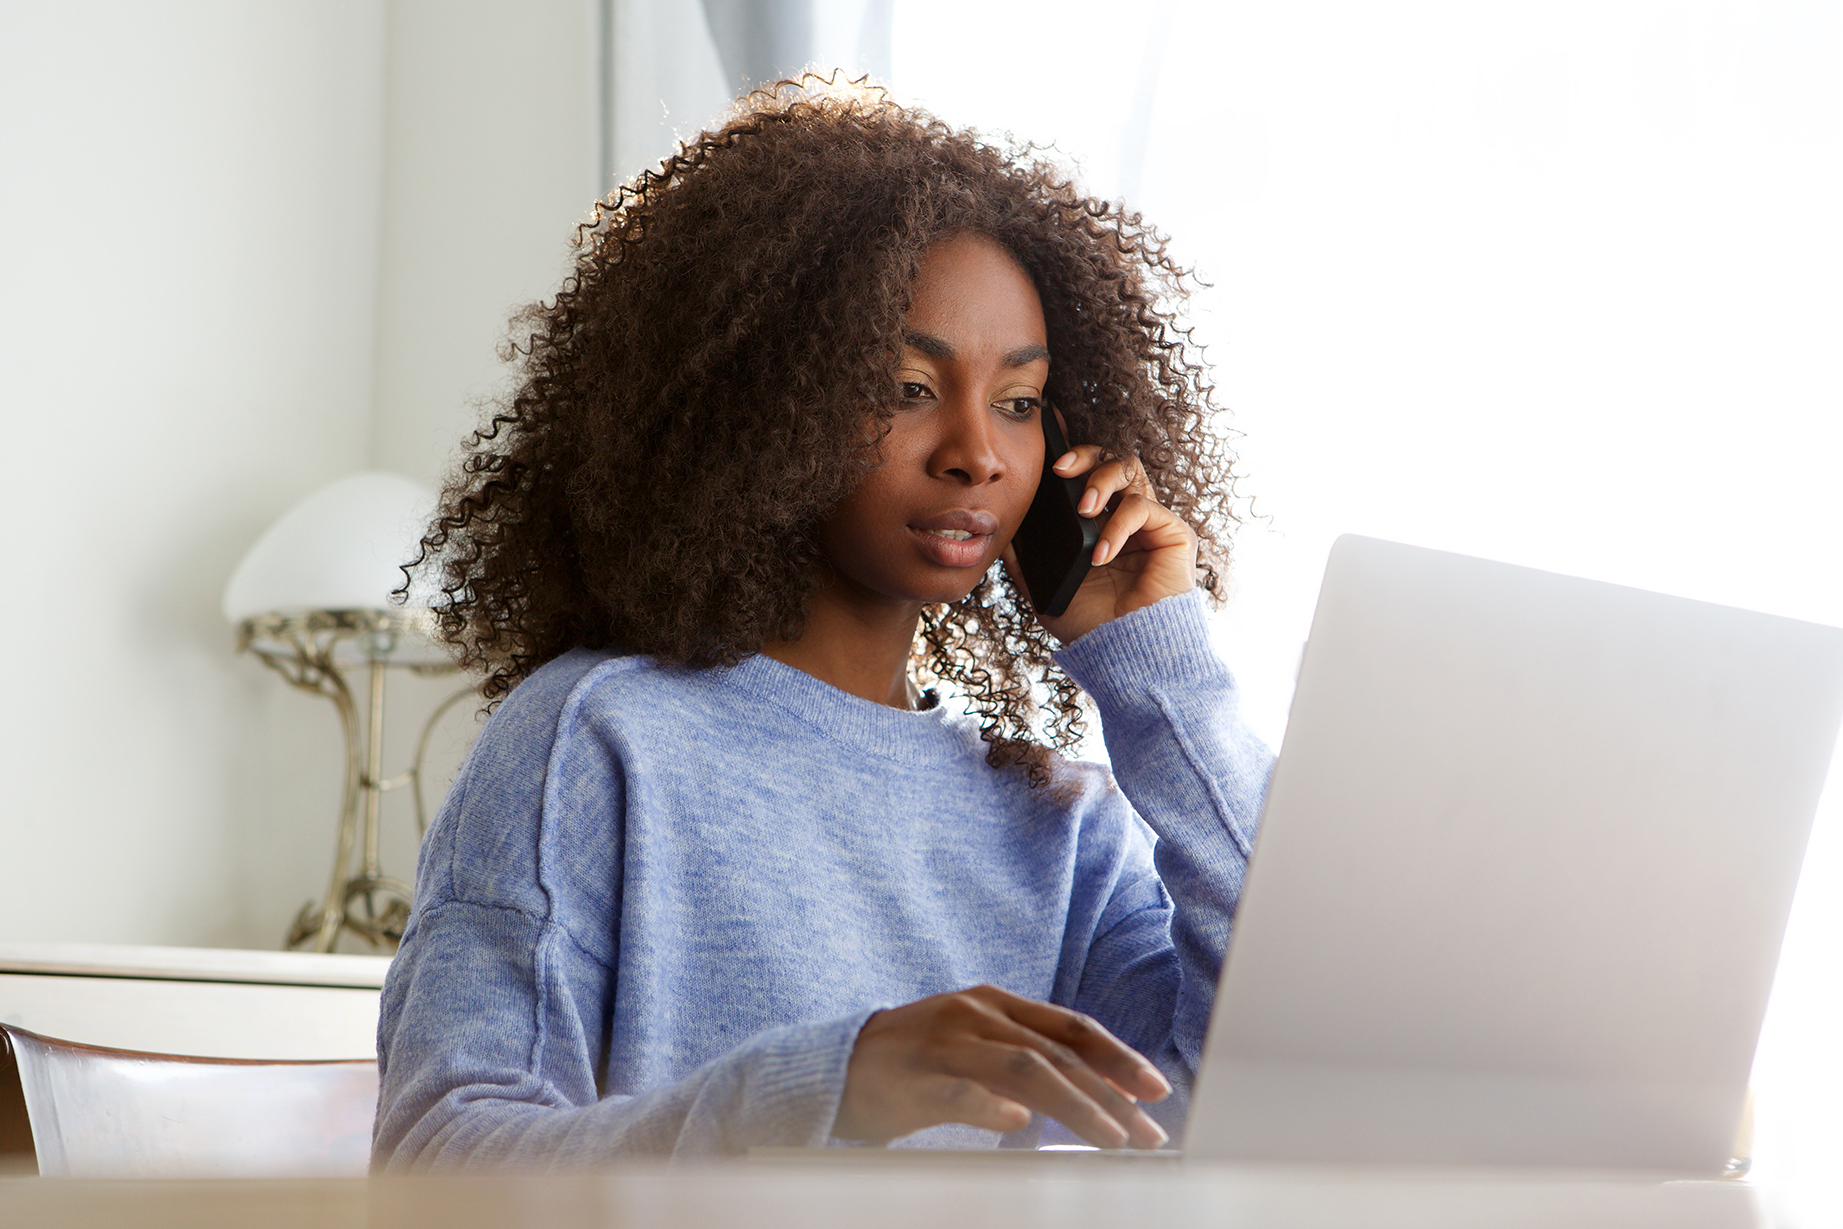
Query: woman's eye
(1022, 407)
(912, 391)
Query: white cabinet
(202, 1001)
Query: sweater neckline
(909, 737)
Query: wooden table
(954, 1195)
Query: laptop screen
(1523, 873)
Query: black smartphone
(1055, 544)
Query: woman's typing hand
(988, 1058)
(1145, 553)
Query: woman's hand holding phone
(1145, 553)
(990, 1058)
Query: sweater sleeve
(493, 1022)
(1197, 777)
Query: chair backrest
(91, 1112)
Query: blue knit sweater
(658, 905)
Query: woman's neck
(860, 647)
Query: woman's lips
(956, 539)
(951, 552)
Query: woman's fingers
(1024, 1075)
(1109, 1073)
(1122, 1065)
(961, 1099)
(1106, 479)
(1134, 514)
(1059, 1086)
(1079, 459)
(1145, 553)
(1128, 519)
(988, 1057)
(1059, 1082)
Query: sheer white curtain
(669, 67)
(1556, 284)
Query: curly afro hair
(696, 399)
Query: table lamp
(312, 599)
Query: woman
(720, 873)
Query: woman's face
(963, 454)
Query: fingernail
(1088, 500)
(1064, 461)
(1100, 554)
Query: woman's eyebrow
(934, 347)
(928, 344)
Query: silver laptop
(1523, 873)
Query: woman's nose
(966, 451)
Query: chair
(81, 1111)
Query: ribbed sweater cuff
(797, 1080)
(1122, 660)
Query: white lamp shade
(341, 548)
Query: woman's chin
(952, 589)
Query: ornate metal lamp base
(376, 909)
(302, 648)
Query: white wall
(490, 161)
(188, 233)
(196, 331)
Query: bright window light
(1555, 284)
